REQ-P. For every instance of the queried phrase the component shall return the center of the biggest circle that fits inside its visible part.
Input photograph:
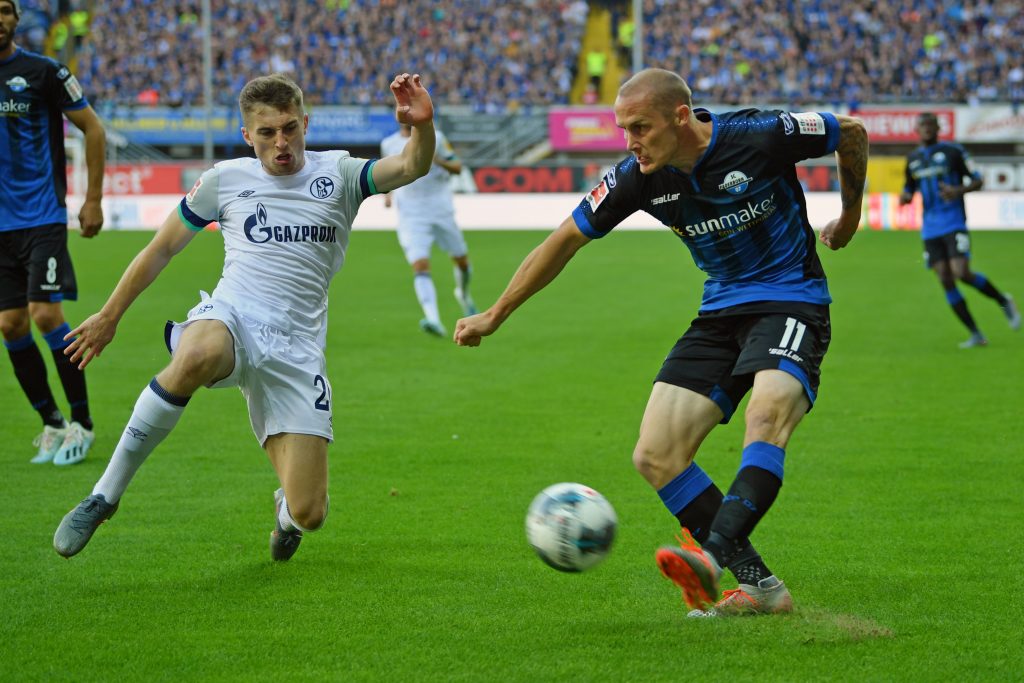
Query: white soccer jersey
(431, 194)
(284, 236)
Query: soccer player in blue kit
(726, 184)
(937, 170)
(36, 274)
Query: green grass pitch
(898, 528)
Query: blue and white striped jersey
(34, 92)
(741, 212)
(947, 163)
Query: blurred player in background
(285, 217)
(937, 170)
(36, 274)
(426, 214)
(726, 185)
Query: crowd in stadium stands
(492, 54)
(841, 51)
(501, 55)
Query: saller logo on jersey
(258, 231)
(787, 123)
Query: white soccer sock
(284, 518)
(427, 295)
(462, 277)
(156, 412)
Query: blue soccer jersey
(34, 93)
(741, 212)
(949, 164)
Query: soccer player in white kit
(426, 214)
(285, 217)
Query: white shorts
(283, 377)
(418, 234)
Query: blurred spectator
(597, 62)
(494, 55)
(625, 31)
(504, 55)
(34, 25)
(838, 51)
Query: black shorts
(722, 350)
(947, 247)
(35, 266)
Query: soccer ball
(571, 526)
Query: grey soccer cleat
(433, 328)
(283, 544)
(977, 339)
(81, 523)
(769, 596)
(1012, 312)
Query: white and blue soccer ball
(571, 526)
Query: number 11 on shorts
(791, 326)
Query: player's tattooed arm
(852, 158)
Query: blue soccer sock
(694, 499)
(959, 306)
(751, 495)
(982, 284)
(71, 378)
(30, 370)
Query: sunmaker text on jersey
(746, 217)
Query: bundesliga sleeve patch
(74, 89)
(809, 123)
(597, 195)
(195, 188)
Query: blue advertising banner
(328, 126)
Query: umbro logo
(137, 433)
(246, 193)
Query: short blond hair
(666, 89)
(276, 90)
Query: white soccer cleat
(1012, 312)
(433, 328)
(75, 446)
(48, 443)
(975, 340)
(769, 596)
(465, 301)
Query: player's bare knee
(657, 465)
(196, 363)
(47, 318)
(14, 323)
(308, 514)
(765, 420)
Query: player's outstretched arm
(93, 335)
(540, 267)
(90, 218)
(414, 107)
(852, 159)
